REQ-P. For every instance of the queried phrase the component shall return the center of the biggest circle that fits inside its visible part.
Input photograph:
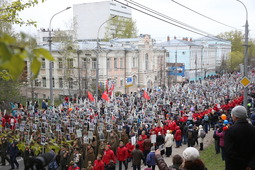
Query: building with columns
(74, 68)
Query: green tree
(9, 11)
(237, 49)
(120, 27)
(236, 38)
(236, 58)
(13, 55)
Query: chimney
(168, 38)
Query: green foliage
(14, 54)
(212, 160)
(9, 12)
(235, 59)
(120, 27)
(236, 38)
(13, 89)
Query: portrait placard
(85, 139)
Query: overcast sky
(229, 12)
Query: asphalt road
(8, 166)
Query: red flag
(90, 96)
(146, 96)
(105, 96)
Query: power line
(204, 15)
(165, 16)
(187, 29)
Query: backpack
(190, 134)
(202, 134)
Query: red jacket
(178, 134)
(98, 165)
(122, 153)
(172, 126)
(144, 137)
(158, 129)
(108, 155)
(130, 148)
(140, 143)
(73, 168)
(3, 122)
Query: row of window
(86, 63)
(71, 82)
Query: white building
(201, 57)
(74, 70)
(89, 17)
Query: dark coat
(137, 156)
(160, 140)
(147, 144)
(240, 146)
(13, 150)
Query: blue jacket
(150, 160)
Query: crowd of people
(129, 130)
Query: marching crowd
(131, 130)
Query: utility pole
(202, 53)
(79, 71)
(196, 68)
(125, 69)
(51, 63)
(245, 54)
(175, 66)
(97, 60)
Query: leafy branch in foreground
(14, 54)
(10, 12)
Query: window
(53, 82)
(85, 62)
(116, 81)
(146, 61)
(121, 83)
(37, 83)
(121, 62)
(60, 82)
(167, 54)
(44, 81)
(60, 63)
(115, 63)
(70, 83)
(94, 63)
(108, 63)
(43, 63)
(134, 80)
(44, 96)
(69, 63)
(134, 62)
(52, 64)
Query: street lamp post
(245, 55)
(50, 42)
(79, 71)
(97, 61)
